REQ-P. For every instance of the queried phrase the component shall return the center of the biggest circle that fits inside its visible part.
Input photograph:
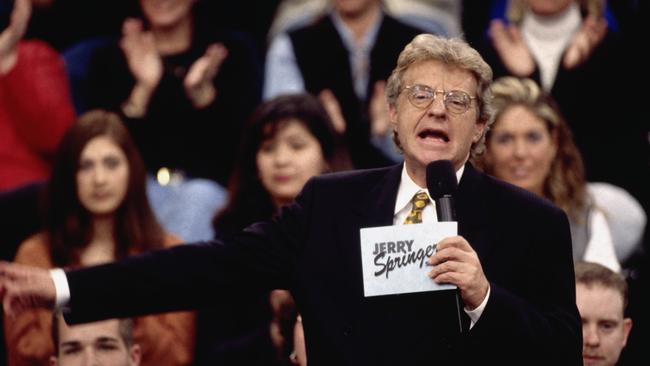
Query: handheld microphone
(442, 185)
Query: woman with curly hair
(530, 146)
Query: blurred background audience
(362, 42)
(35, 103)
(185, 76)
(530, 145)
(97, 212)
(602, 296)
(575, 50)
(185, 87)
(288, 140)
(107, 343)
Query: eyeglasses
(456, 101)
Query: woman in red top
(35, 103)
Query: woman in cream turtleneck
(546, 34)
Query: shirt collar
(348, 38)
(408, 188)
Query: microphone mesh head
(441, 179)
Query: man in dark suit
(511, 261)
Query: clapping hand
(145, 64)
(198, 82)
(379, 124)
(10, 36)
(333, 108)
(512, 49)
(143, 59)
(591, 33)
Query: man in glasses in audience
(511, 260)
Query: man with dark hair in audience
(602, 296)
(106, 343)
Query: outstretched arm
(24, 287)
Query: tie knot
(420, 200)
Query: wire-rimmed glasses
(421, 96)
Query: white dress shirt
(407, 189)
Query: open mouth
(433, 135)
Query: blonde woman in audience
(531, 146)
(97, 212)
(570, 48)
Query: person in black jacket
(185, 89)
(511, 260)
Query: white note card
(394, 258)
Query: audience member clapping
(186, 89)
(574, 51)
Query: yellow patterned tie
(420, 200)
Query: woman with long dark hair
(288, 140)
(185, 88)
(97, 212)
(254, 198)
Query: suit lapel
(378, 205)
(472, 213)
(373, 208)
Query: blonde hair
(454, 52)
(565, 183)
